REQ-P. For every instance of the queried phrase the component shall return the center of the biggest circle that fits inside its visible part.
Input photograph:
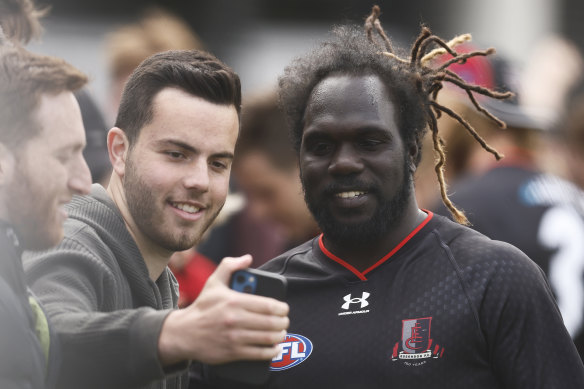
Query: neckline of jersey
(363, 275)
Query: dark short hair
(193, 71)
(349, 52)
(24, 78)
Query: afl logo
(294, 350)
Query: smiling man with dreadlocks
(390, 295)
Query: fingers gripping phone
(260, 283)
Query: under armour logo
(363, 300)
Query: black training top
(543, 216)
(447, 308)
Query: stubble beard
(32, 221)
(147, 216)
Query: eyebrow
(376, 130)
(188, 147)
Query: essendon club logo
(416, 342)
(294, 350)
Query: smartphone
(260, 283)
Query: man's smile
(350, 194)
(189, 208)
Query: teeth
(187, 208)
(346, 195)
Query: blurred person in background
(266, 170)
(41, 168)
(548, 90)
(156, 30)
(107, 287)
(459, 149)
(95, 153)
(571, 137)
(191, 269)
(20, 20)
(568, 137)
(514, 200)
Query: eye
(64, 156)
(175, 154)
(319, 147)
(370, 143)
(220, 165)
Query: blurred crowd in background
(532, 198)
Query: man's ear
(118, 147)
(413, 156)
(7, 164)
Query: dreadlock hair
(413, 84)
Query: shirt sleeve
(102, 345)
(528, 343)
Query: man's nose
(80, 179)
(345, 161)
(197, 176)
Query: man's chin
(347, 233)
(179, 242)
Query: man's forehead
(59, 119)
(338, 88)
(351, 100)
(185, 120)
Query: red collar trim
(362, 275)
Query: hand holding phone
(257, 282)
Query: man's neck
(155, 257)
(363, 256)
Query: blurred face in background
(275, 196)
(43, 174)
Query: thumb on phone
(229, 265)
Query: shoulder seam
(460, 277)
(289, 258)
